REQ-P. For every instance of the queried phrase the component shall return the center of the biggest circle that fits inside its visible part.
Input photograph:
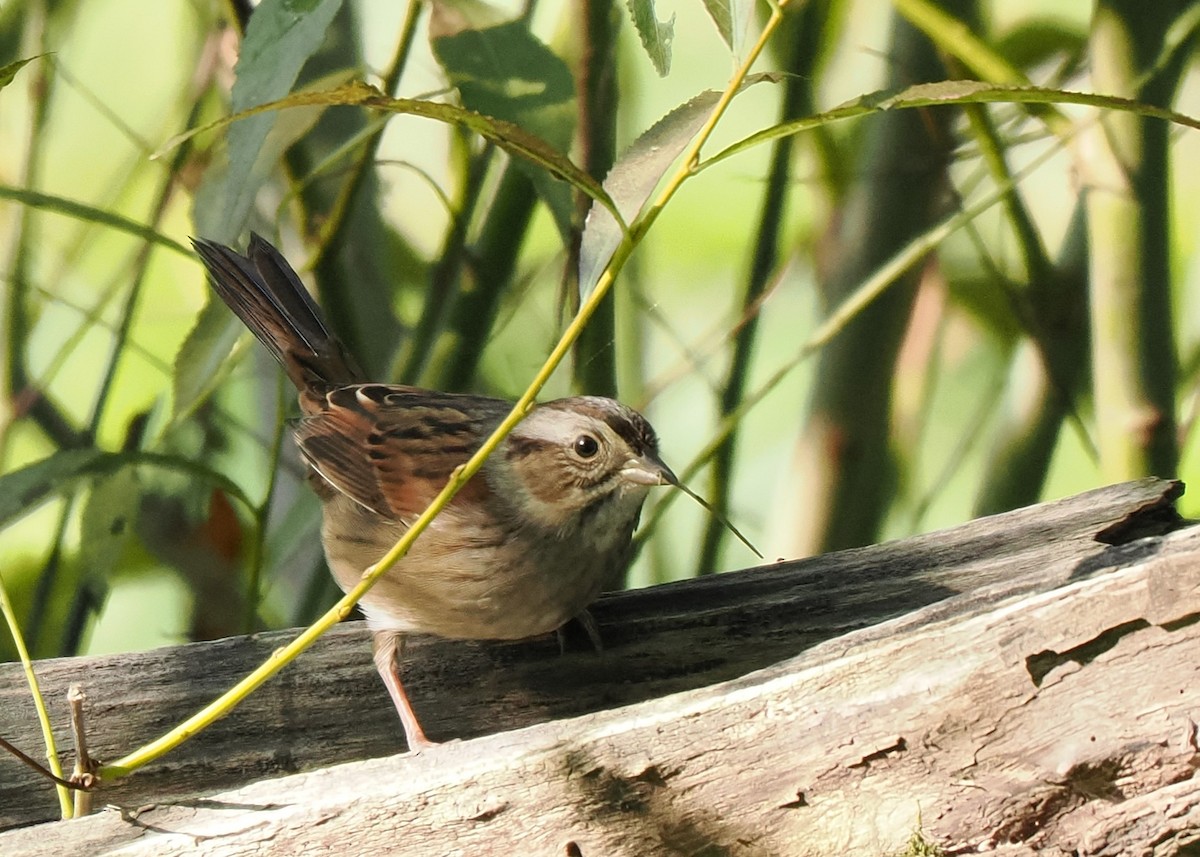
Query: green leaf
(634, 177)
(732, 18)
(507, 135)
(722, 16)
(949, 92)
(1035, 41)
(280, 37)
(201, 361)
(8, 73)
(23, 490)
(506, 72)
(656, 35)
(207, 345)
(90, 214)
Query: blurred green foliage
(148, 491)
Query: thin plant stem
(140, 266)
(595, 366)
(29, 401)
(492, 266)
(283, 656)
(10, 617)
(444, 276)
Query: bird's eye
(586, 446)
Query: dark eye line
(523, 447)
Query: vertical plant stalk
(595, 365)
(335, 226)
(1050, 310)
(262, 511)
(1124, 164)
(484, 271)
(352, 272)
(426, 348)
(10, 617)
(84, 766)
(491, 269)
(26, 400)
(797, 44)
(844, 466)
(1025, 440)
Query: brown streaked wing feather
(332, 441)
(392, 448)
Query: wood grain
(833, 639)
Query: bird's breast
(466, 577)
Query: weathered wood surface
(1047, 723)
(789, 722)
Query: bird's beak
(648, 470)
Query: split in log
(1024, 683)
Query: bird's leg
(591, 629)
(389, 646)
(585, 620)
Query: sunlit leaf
(656, 35)
(508, 136)
(634, 177)
(949, 92)
(506, 72)
(732, 18)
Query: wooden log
(688, 635)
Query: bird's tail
(266, 294)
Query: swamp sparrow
(526, 544)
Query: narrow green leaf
(280, 38)
(732, 18)
(506, 72)
(90, 214)
(8, 73)
(23, 490)
(507, 135)
(208, 343)
(656, 35)
(199, 365)
(949, 92)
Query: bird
(526, 544)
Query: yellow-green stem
(281, 657)
(10, 616)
